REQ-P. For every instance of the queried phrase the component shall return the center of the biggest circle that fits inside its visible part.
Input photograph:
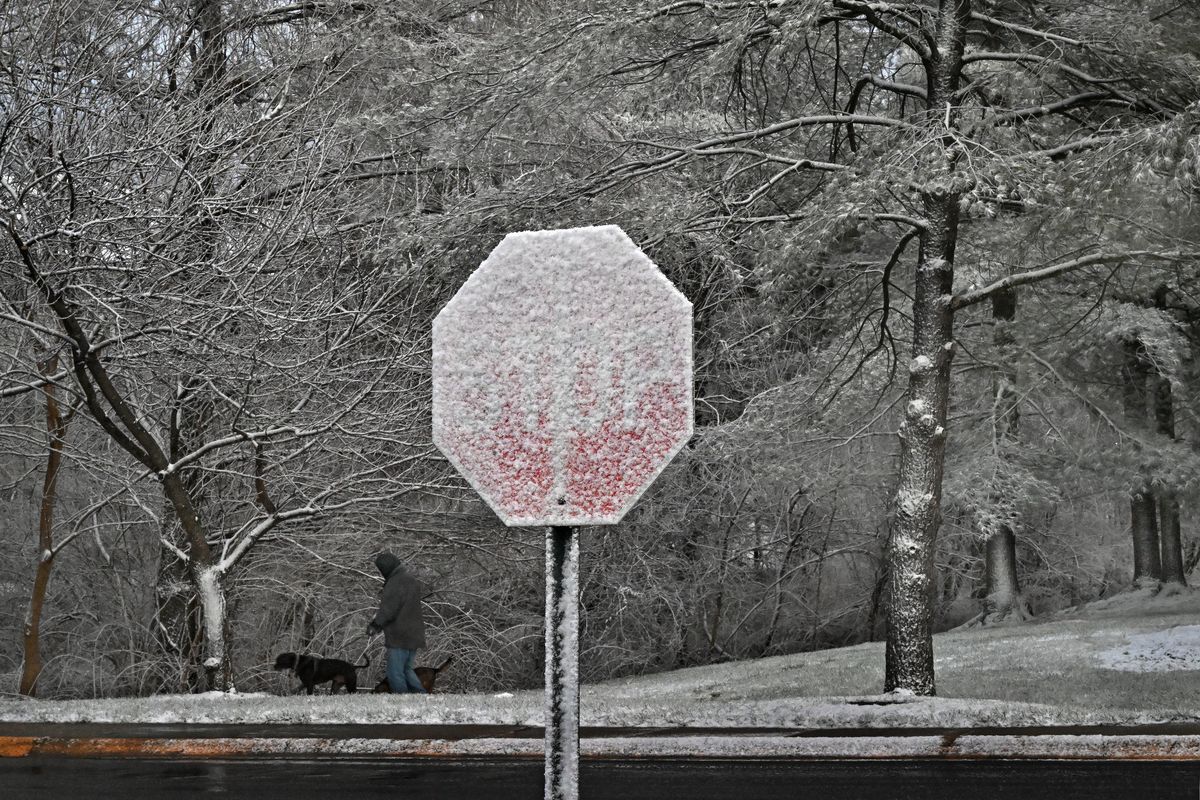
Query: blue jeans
(400, 673)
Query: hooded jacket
(400, 614)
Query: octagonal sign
(562, 376)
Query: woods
(942, 256)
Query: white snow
(526, 708)
(913, 503)
(1055, 671)
(920, 364)
(1175, 648)
(212, 601)
(562, 708)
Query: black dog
(427, 676)
(312, 670)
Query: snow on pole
(562, 663)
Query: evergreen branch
(1022, 29)
(1045, 110)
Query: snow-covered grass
(1129, 660)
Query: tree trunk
(1003, 601)
(1147, 567)
(1171, 541)
(1168, 502)
(909, 650)
(781, 575)
(209, 85)
(207, 579)
(210, 581)
(176, 617)
(56, 428)
(1006, 408)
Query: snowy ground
(1128, 660)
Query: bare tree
(201, 266)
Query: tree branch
(965, 299)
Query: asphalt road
(416, 779)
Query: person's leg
(414, 683)
(397, 659)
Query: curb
(867, 748)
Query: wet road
(454, 779)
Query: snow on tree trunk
(562, 663)
(211, 591)
(909, 650)
(1143, 515)
(207, 577)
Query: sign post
(562, 663)
(562, 386)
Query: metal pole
(562, 663)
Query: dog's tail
(445, 664)
(366, 663)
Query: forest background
(943, 260)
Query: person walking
(402, 620)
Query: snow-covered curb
(526, 708)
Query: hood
(387, 564)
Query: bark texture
(56, 430)
(909, 649)
(1143, 515)
(1170, 540)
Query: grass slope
(1129, 659)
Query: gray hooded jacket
(400, 614)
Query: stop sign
(562, 376)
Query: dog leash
(366, 648)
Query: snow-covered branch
(969, 298)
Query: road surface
(339, 762)
(521, 779)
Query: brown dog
(427, 676)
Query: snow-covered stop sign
(562, 376)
